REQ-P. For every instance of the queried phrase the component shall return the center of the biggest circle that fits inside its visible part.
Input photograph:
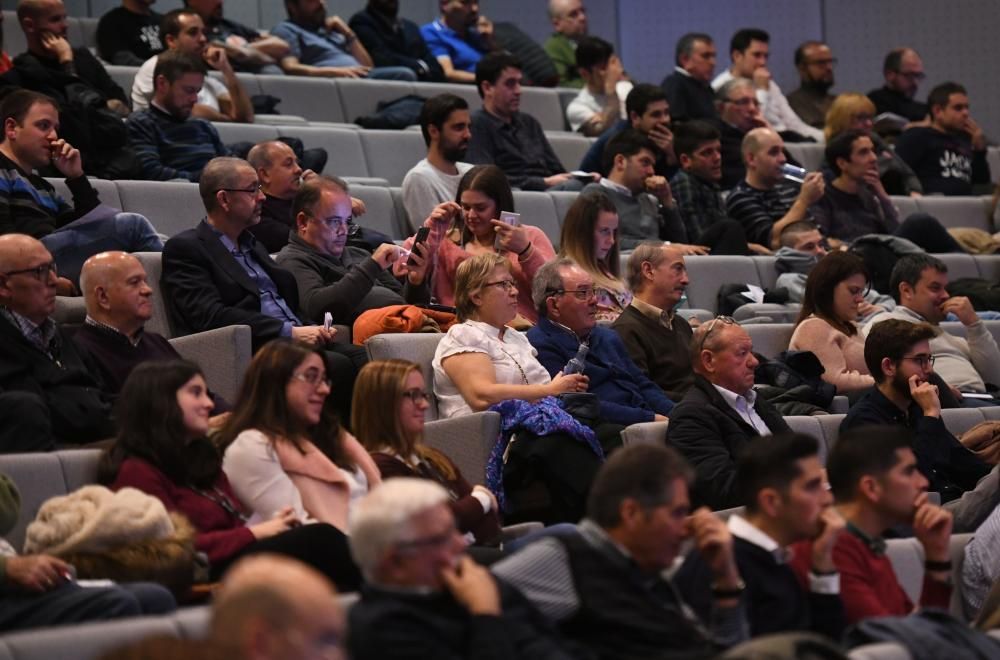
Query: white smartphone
(510, 218)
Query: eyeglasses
(430, 542)
(40, 273)
(416, 395)
(336, 222)
(506, 285)
(250, 191)
(314, 378)
(864, 116)
(744, 101)
(922, 361)
(579, 294)
(710, 328)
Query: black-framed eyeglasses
(40, 272)
(336, 221)
(710, 328)
(250, 191)
(314, 378)
(416, 395)
(579, 294)
(506, 285)
(922, 361)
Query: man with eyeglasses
(566, 301)
(903, 71)
(48, 392)
(721, 413)
(337, 278)
(739, 113)
(216, 275)
(815, 62)
(423, 596)
(898, 355)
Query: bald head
(264, 598)
(722, 352)
(15, 249)
(40, 17)
(758, 139)
(27, 277)
(569, 18)
(277, 168)
(116, 291)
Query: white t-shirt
(425, 186)
(510, 356)
(142, 88)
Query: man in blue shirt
(459, 39)
(324, 46)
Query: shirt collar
(91, 321)
(681, 71)
(876, 544)
(742, 529)
(617, 187)
(43, 335)
(732, 398)
(246, 240)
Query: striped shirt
(30, 205)
(172, 148)
(757, 210)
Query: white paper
(753, 293)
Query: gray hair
(547, 279)
(722, 94)
(382, 518)
(647, 251)
(220, 173)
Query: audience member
(688, 88)
(787, 500)
(446, 126)
(569, 20)
(173, 461)
(395, 41)
(169, 142)
(217, 275)
(739, 113)
(30, 205)
(657, 339)
(903, 71)
(919, 284)
(510, 139)
(853, 111)
(48, 390)
(459, 38)
(129, 34)
(855, 203)
(899, 357)
(597, 106)
(827, 324)
(607, 587)
(567, 318)
(877, 486)
(645, 203)
(589, 237)
(699, 197)
(248, 49)
(283, 447)
(647, 112)
(326, 47)
(949, 155)
(91, 104)
(424, 596)
(749, 50)
(182, 31)
(765, 202)
(338, 279)
(721, 414)
(395, 440)
(271, 607)
(39, 590)
(811, 101)
(475, 228)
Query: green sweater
(562, 51)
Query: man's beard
(901, 384)
(820, 86)
(455, 153)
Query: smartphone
(510, 218)
(421, 237)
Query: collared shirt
(665, 318)
(743, 404)
(271, 302)
(518, 147)
(617, 187)
(110, 328)
(742, 529)
(464, 52)
(44, 336)
(319, 47)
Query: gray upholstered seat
(563, 199)
(232, 132)
(345, 156)
(359, 98)
(123, 76)
(538, 209)
(809, 154)
(381, 211)
(959, 265)
(223, 354)
(570, 148)
(107, 191)
(957, 211)
(313, 98)
(172, 206)
(769, 339)
(708, 273)
(907, 557)
(391, 154)
(645, 433)
(543, 104)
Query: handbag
(583, 406)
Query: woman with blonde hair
(390, 399)
(853, 111)
(590, 238)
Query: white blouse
(511, 356)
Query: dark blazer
(204, 287)
(711, 434)
(389, 46)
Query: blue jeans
(79, 240)
(392, 73)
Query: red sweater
(868, 584)
(220, 534)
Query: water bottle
(576, 363)
(794, 173)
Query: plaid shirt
(43, 336)
(698, 202)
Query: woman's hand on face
(563, 383)
(510, 238)
(283, 521)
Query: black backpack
(880, 252)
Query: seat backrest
(563, 199)
(172, 206)
(418, 347)
(959, 265)
(380, 213)
(123, 76)
(708, 273)
(956, 211)
(316, 99)
(570, 148)
(538, 209)
(766, 270)
(769, 339)
(14, 41)
(231, 132)
(809, 425)
(360, 97)
(467, 92)
(87, 640)
(905, 205)
(907, 557)
(406, 224)
(159, 322)
(960, 420)
(38, 477)
(543, 104)
(809, 154)
(107, 191)
(467, 440)
(391, 154)
(831, 428)
(989, 266)
(345, 156)
(79, 466)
